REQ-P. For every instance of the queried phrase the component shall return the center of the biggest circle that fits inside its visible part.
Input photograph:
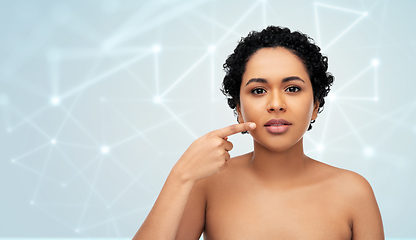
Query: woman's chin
(277, 145)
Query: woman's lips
(277, 126)
(277, 129)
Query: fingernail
(252, 125)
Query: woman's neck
(286, 166)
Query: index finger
(235, 128)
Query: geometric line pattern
(99, 100)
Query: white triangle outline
(362, 15)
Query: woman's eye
(292, 89)
(258, 91)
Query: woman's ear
(315, 110)
(239, 115)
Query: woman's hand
(208, 154)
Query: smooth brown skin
(274, 192)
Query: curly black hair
(298, 43)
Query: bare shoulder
(351, 182)
(356, 189)
(360, 202)
(350, 187)
(356, 183)
(364, 211)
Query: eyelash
(295, 88)
(291, 87)
(255, 91)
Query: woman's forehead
(276, 63)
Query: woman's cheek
(247, 113)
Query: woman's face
(276, 93)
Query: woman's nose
(276, 103)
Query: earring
(310, 124)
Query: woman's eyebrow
(261, 80)
(292, 78)
(286, 79)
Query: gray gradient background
(142, 79)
